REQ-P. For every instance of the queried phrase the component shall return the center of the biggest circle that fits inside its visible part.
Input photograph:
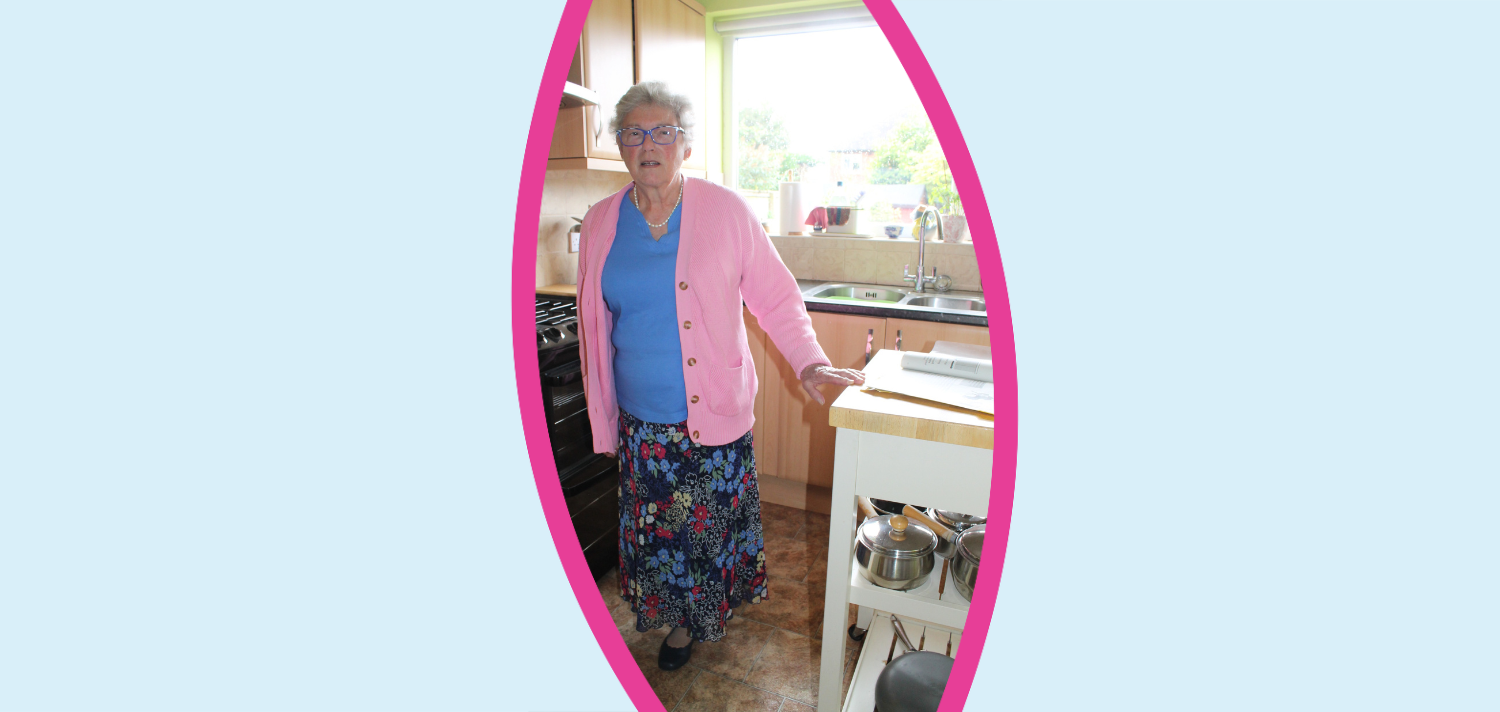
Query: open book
(953, 374)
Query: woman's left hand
(818, 374)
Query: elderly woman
(665, 265)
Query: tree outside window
(910, 154)
(764, 160)
(835, 111)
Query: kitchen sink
(968, 303)
(956, 303)
(858, 293)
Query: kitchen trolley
(895, 448)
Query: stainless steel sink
(967, 303)
(956, 303)
(859, 293)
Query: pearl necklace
(635, 195)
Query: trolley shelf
(922, 602)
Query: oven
(589, 480)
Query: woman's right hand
(818, 374)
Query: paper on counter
(965, 350)
(949, 390)
(948, 365)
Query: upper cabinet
(625, 42)
(605, 63)
(670, 46)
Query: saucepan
(894, 552)
(886, 506)
(945, 535)
(954, 520)
(961, 548)
(968, 545)
(871, 507)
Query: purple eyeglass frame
(620, 139)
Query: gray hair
(655, 94)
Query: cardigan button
(695, 435)
(692, 362)
(687, 324)
(695, 399)
(682, 285)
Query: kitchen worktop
(842, 307)
(908, 417)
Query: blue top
(638, 283)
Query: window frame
(834, 16)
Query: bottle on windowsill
(837, 196)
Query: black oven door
(590, 481)
(567, 414)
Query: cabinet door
(799, 440)
(569, 136)
(757, 339)
(608, 63)
(920, 335)
(671, 46)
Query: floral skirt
(690, 540)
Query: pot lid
(895, 535)
(971, 543)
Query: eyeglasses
(661, 135)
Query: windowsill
(868, 238)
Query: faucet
(925, 215)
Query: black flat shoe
(672, 658)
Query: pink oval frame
(528, 380)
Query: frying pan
(914, 681)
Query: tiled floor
(769, 660)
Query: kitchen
(859, 291)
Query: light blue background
(1252, 251)
(259, 439)
(258, 432)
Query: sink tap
(925, 215)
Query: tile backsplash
(569, 193)
(874, 260)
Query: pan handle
(914, 513)
(865, 508)
(901, 633)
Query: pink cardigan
(723, 257)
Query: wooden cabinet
(758, 343)
(625, 42)
(798, 442)
(920, 335)
(793, 440)
(670, 46)
(605, 63)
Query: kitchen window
(821, 98)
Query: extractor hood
(575, 95)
